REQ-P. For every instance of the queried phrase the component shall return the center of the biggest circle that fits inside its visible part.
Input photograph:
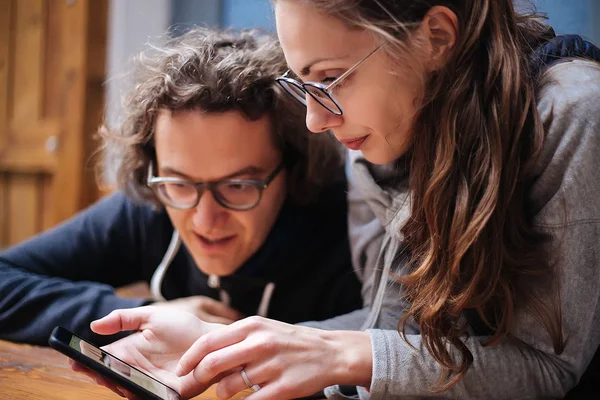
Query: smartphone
(98, 360)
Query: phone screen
(134, 375)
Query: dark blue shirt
(67, 276)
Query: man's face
(202, 147)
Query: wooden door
(52, 65)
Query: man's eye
(328, 80)
(238, 187)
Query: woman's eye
(328, 80)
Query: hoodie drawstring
(159, 274)
(371, 319)
(213, 280)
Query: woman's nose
(318, 118)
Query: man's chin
(210, 267)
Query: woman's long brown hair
(476, 136)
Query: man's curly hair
(216, 71)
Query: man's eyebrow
(305, 71)
(250, 170)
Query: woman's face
(378, 105)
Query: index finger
(132, 319)
(208, 343)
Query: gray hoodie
(566, 198)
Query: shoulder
(570, 86)
(569, 107)
(119, 211)
(118, 204)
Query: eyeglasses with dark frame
(233, 194)
(318, 91)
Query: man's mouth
(214, 242)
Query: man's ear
(439, 30)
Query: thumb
(132, 319)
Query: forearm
(498, 372)
(352, 321)
(31, 306)
(66, 275)
(351, 357)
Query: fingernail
(120, 391)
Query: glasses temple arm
(149, 177)
(343, 76)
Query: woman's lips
(354, 143)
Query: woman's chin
(379, 158)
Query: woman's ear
(439, 30)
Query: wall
(248, 14)
(570, 16)
(131, 24)
(185, 13)
(223, 13)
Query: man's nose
(208, 212)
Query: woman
(477, 167)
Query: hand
(162, 337)
(205, 308)
(101, 380)
(287, 361)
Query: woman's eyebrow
(305, 71)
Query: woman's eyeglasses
(321, 93)
(234, 194)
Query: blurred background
(60, 64)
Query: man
(227, 207)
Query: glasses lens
(323, 98)
(177, 195)
(293, 89)
(238, 195)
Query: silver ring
(247, 381)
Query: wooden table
(33, 372)
(41, 373)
